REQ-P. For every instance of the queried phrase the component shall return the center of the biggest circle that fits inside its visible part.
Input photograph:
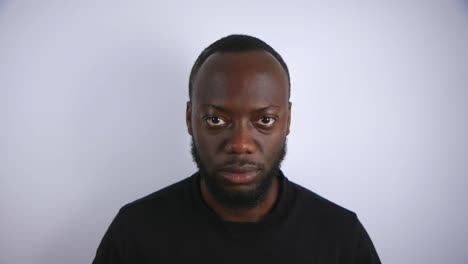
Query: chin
(240, 188)
(239, 196)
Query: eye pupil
(215, 120)
(265, 120)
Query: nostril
(240, 148)
(240, 140)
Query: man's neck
(242, 215)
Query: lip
(239, 175)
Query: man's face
(239, 118)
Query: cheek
(273, 145)
(207, 145)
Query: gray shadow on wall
(130, 139)
(464, 5)
(2, 4)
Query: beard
(240, 199)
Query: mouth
(239, 174)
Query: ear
(188, 117)
(289, 118)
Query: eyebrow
(225, 110)
(267, 107)
(215, 107)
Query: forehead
(253, 77)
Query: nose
(240, 140)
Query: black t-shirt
(174, 225)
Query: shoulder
(328, 225)
(322, 211)
(159, 205)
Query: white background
(93, 94)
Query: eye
(266, 121)
(215, 121)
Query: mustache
(241, 162)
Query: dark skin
(239, 109)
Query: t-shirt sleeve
(110, 248)
(365, 250)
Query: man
(239, 207)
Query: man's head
(239, 116)
(235, 44)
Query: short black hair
(235, 43)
